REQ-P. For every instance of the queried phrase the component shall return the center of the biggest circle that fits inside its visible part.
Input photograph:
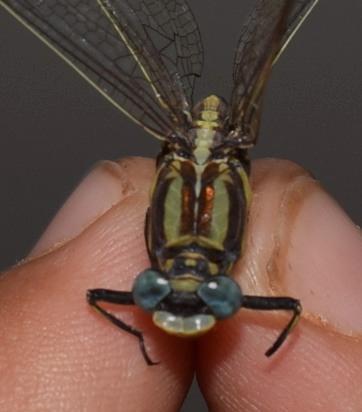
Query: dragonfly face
(186, 305)
(144, 57)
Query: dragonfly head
(186, 306)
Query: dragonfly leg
(121, 298)
(276, 303)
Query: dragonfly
(144, 57)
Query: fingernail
(323, 260)
(106, 185)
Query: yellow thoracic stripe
(247, 189)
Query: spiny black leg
(121, 298)
(275, 303)
(110, 296)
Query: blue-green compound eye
(222, 295)
(149, 288)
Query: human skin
(57, 354)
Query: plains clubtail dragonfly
(144, 56)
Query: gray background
(54, 127)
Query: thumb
(300, 244)
(56, 352)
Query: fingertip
(300, 243)
(107, 184)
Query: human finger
(299, 243)
(59, 354)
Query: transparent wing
(269, 29)
(174, 35)
(297, 15)
(144, 59)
